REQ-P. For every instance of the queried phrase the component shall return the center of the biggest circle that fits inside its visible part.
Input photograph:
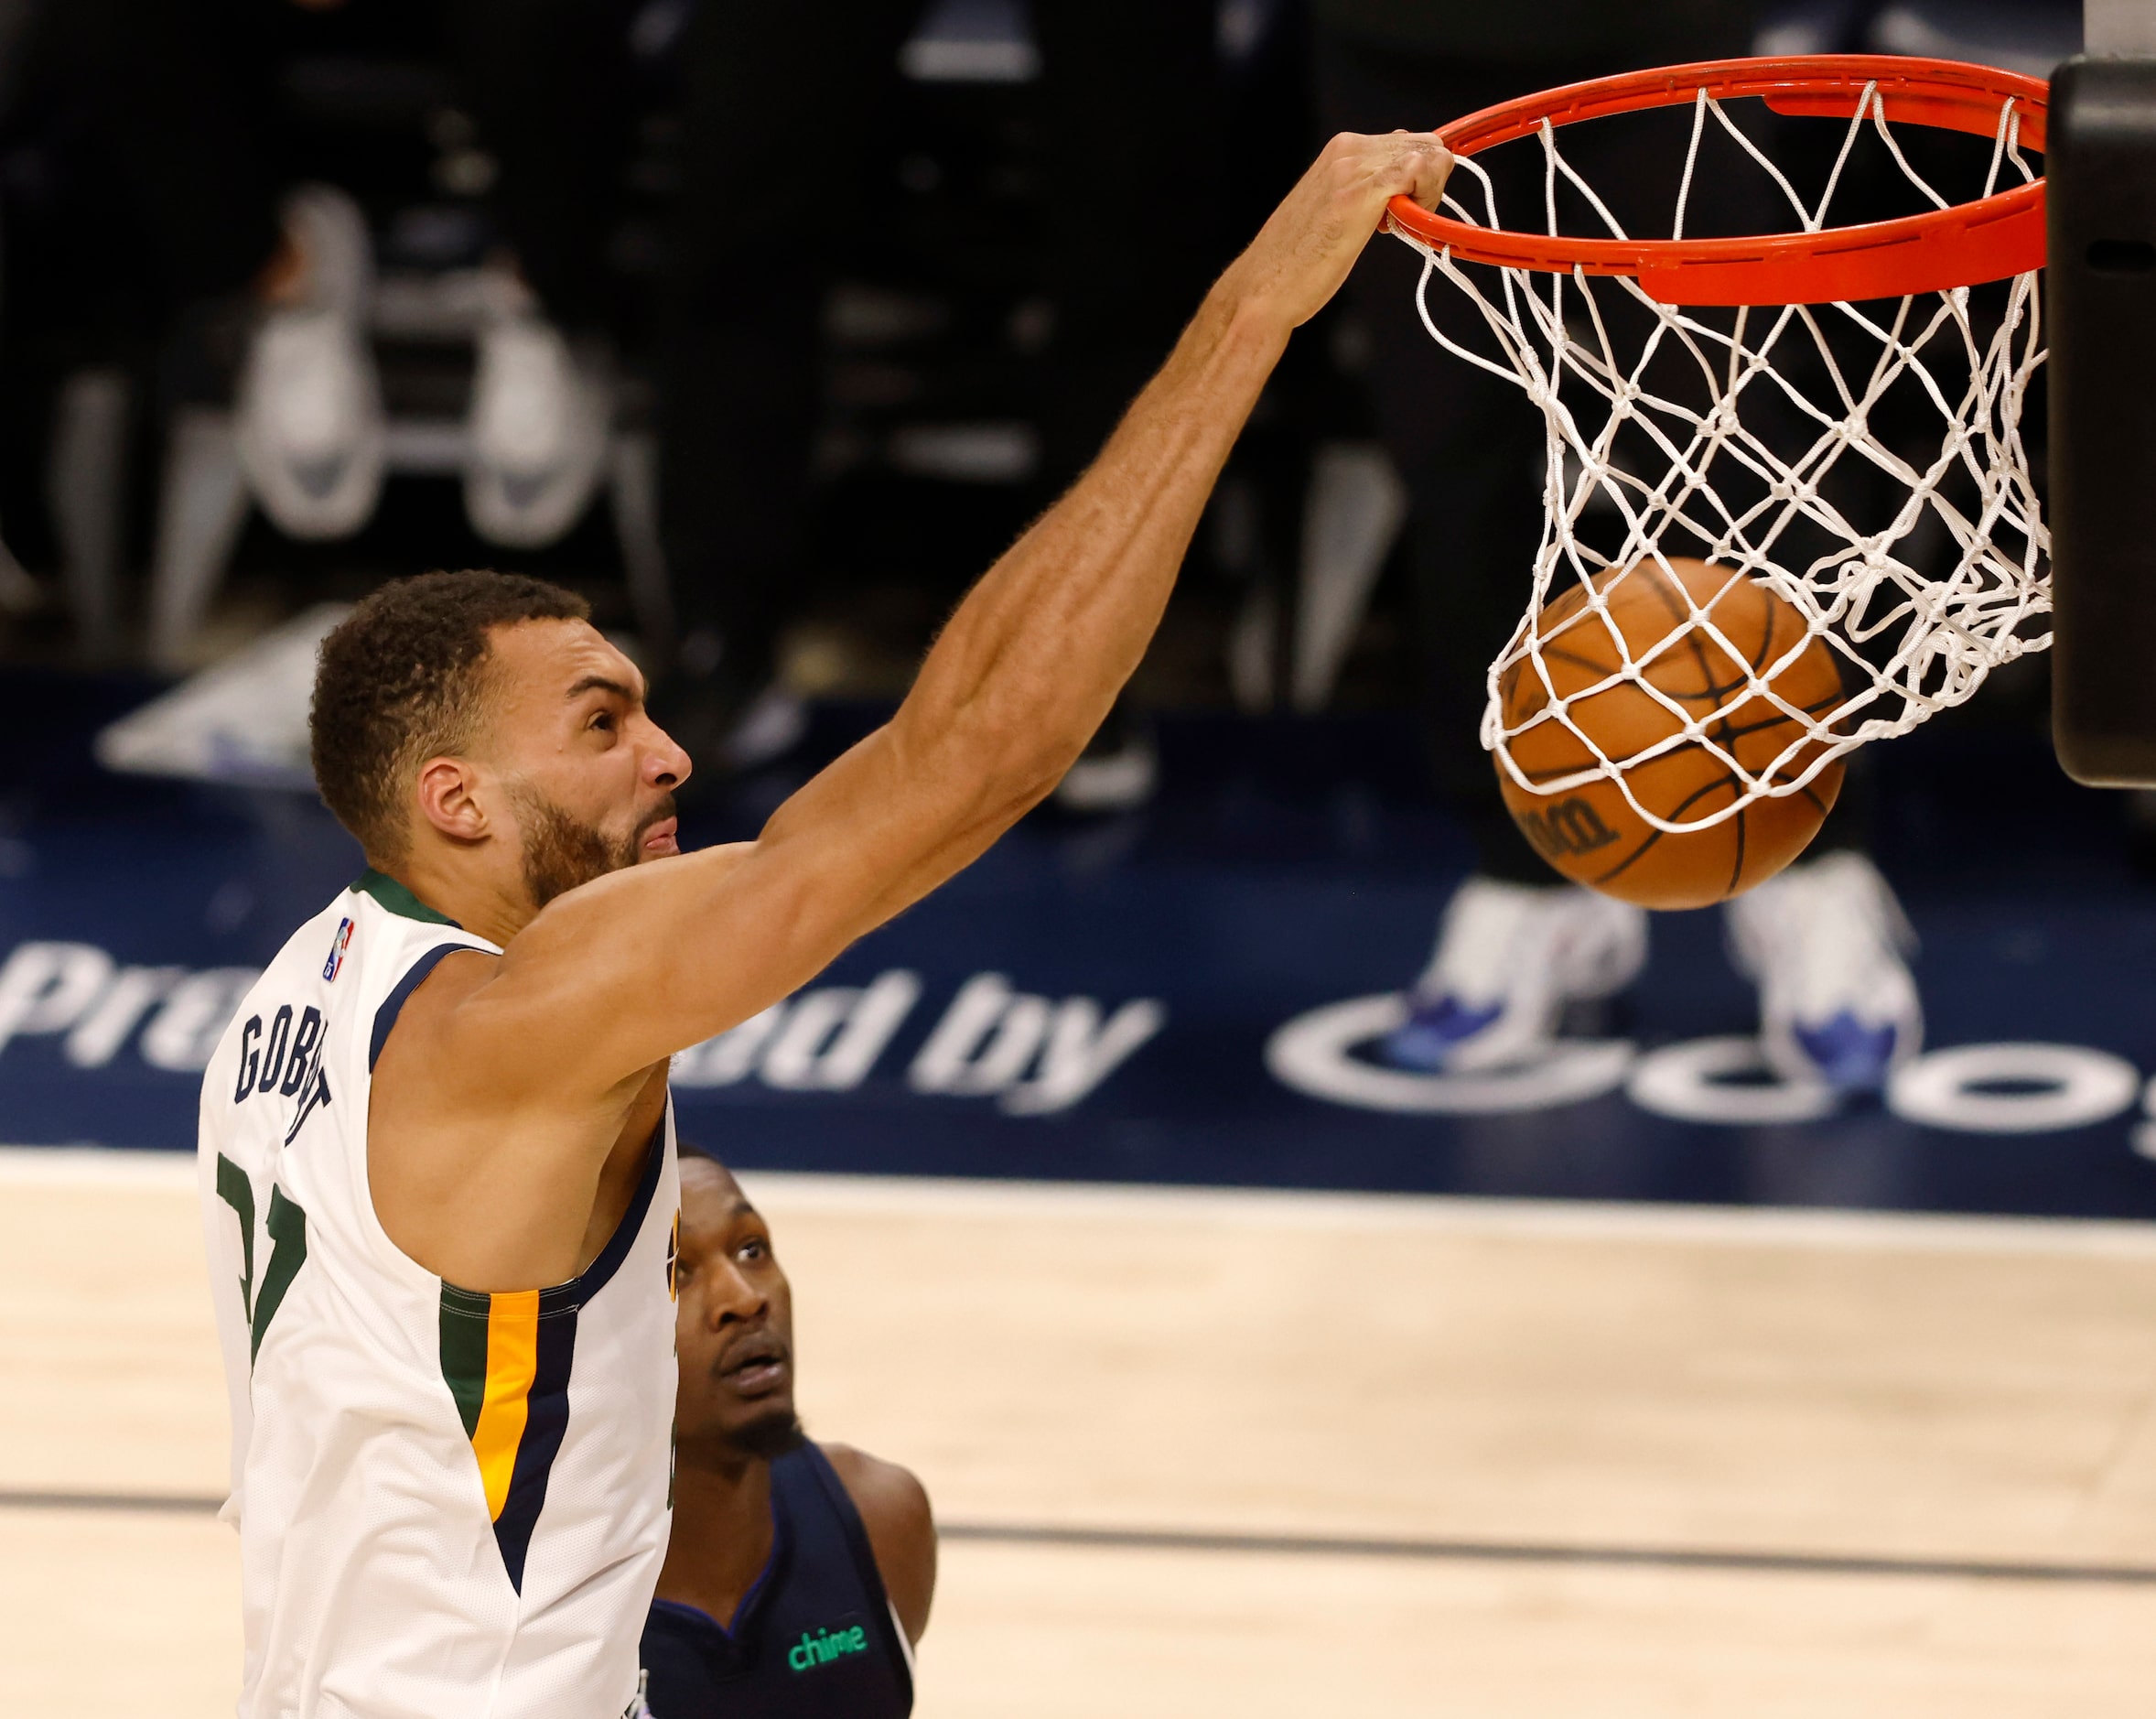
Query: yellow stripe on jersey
(512, 1361)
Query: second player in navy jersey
(799, 1576)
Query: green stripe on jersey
(464, 1352)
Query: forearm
(1029, 663)
(1032, 659)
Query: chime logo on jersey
(338, 945)
(824, 1645)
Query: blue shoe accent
(1849, 1055)
(1423, 1041)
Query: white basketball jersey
(450, 1504)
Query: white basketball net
(1910, 643)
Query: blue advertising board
(1187, 994)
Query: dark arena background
(1254, 1360)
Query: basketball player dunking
(437, 1157)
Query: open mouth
(755, 1366)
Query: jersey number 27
(288, 1235)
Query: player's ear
(448, 798)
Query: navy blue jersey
(815, 1637)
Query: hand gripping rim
(1992, 238)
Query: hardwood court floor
(1269, 1454)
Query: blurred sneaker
(771, 725)
(1510, 958)
(311, 421)
(1825, 944)
(727, 727)
(1118, 770)
(539, 415)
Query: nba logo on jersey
(338, 945)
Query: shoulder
(443, 974)
(421, 1004)
(894, 1508)
(882, 1492)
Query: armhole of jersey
(897, 1628)
(856, 1540)
(385, 1017)
(391, 1258)
(596, 1276)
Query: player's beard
(560, 852)
(768, 1436)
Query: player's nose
(732, 1297)
(666, 763)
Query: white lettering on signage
(78, 990)
(2144, 1131)
(824, 1040)
(1032, 1054)
(984, 1042)
(103, 1028)
(1724, 1080)
(1313, 1054)
(1972, 1088)
(1035, 1056)
(1083, 1050)
(182, 1035)
(44, 987)
(2013, 1088)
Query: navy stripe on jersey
(600, 1272)
(547, 1423)
(548, 1417)
(394, 1004)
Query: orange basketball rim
(1964, 244)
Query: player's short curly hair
(398, 682)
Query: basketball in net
(1788, 510)
(1702, 682)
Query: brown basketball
(1590, 832)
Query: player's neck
(722, 1530)
(475, 899)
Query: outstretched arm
(506, 1083)
(1021, 676)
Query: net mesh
(1746, 437)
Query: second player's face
(734, 1323)
(591, 777)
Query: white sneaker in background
(309, 410)
(540, 417)
(772, 725)
(1825, 944)
(1119, 769)
(1508, 959)
(329, 231)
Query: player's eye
(604, 721)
